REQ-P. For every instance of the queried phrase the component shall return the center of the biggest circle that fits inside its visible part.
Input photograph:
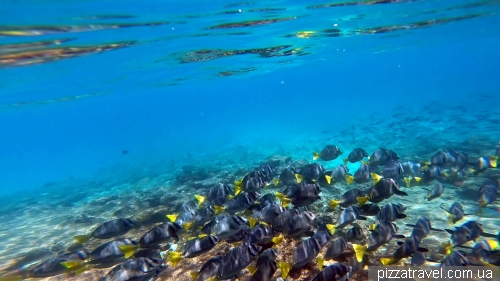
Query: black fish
(135, 269)
(209, 269)
(310, 172)
(383, 189)
(241, 202)
(299, 224)
(436, 192)
(197, 247)
(381, 156)
(218, 195)
(391, 212)
(108, 230)
(236, 260)
(330, 152)
(304, 194)
(287, 176)
(333, 272)
(347, 199)
(406, 249)
(266, 266)
(356, 155)
(336, 248)
(160, 234)
(306, 252)
(362, 175)
(53, 266)
(348, 216)
(354, 233)
(269, 213)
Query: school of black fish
(271, 204)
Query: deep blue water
(141, 99)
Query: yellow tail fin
(252, 221)
(417, 179)
(194, 275)
(408, 181)
(278, 239)
(276, 181)
(493, 161)
(81, 238)
(200, 199)
(218, 209)
(128, 250)
(70, 264)
(331, 228)
(285, 269)
(174, 258)
(349, 179)
(376, 178)
(386, 261)
(252, 269)
(362, 200)
(320, 262)
(334, 203)
(315, 155)
(328, 179)
(187, 225)
(299, 178)
(360, 251)
(172, 217)
(237, 189)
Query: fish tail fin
(238, 189)
(408, 181)
(387, 261)
(71, 264)
(128, 250)
(362, 200)
(417, 179)
(174, 258)
(345, 161)
(81, 238)
(349, 179)
(200, 199)
(331, 228)
(315, 155)
(299, 178)
(194, 275)
(360, 251)
(376, 178)
(278, 239)
(328, 179)
(285, 269)
(172, 217)
(334, 203)
(276, 181)
(218, 209)
(285, 202)
(187, 225)
(79, 269)
(320, 261)
(493, 161)
(252, 221)
(252, 269)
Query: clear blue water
(65, 120)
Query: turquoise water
(105, 98)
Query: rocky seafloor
(45, 225)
